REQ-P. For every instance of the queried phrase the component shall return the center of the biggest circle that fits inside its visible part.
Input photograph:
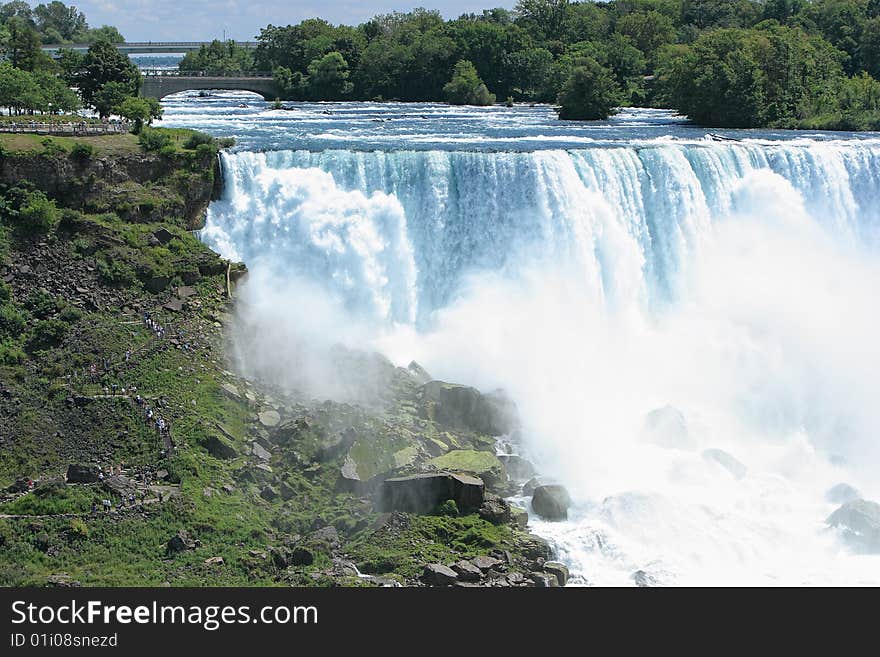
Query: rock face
(860, 522)
(82, 474)
(482, 464)
(666, 427)
(422, 493)
(725, 460)
(842, 493)
(551, 502)
(518, 468)
(463, 407)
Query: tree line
(732, 63)
(31, 81)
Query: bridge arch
(159, 86)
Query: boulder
(534, 547)
(544, 580)
(180, 542)
(842, 493)
(485, 563)
(174, 304)
(82, 474)
(163, 236)
(463, 407)
(483, 464)
(726, 461)
(156, 284)
(214, 561)
(495, 510)
(530, 486)
(286, 491)
(269, 418)
(859, 521)
(467, 572)
(260, 452)
(519, 517)
(422, 493)
(436, 574)
(666, 427)
(301, 556)
(269, 493)
(643, 579)
(121, 485)
(560, 570)
(220, 447)
(551, 502)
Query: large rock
(181, 542)
(666, 427)
(558, 569)
(436, 574)
(463, 407)
(483, 464)
(859, 521)
(423, 493)
(220, 446)
(269, 418)
(726, 461)
(156, 284)
(551, 502)
(467, 572)
(842, 493)
(82, 474)
(495, 510)
(518, 468)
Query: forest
(726, 63)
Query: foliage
(154, 140)
(590, 93)
(140, 111)
(106, 77)
(219, 58)
(466, 87)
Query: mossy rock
(483, 464)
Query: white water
(736, 282)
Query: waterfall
(734, 281)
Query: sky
(198, 20)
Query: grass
(103, 144)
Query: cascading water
(732, 281)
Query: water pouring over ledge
(596, 279)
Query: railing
(72, 128)
(147, 44)
(177, 73)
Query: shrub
(47, 333)
(5, 291)
(168, 150)
(116, 273)
(41, 304)
(12, 323)
(11, 353)
(154, 140)
(52, 149)
(198, 139)
(81, 151)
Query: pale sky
(198, 20)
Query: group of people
(151, 417)
(157, 329)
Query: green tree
(110, 96)
(57, 96)
(23, 48)
(68, 22)
(328, 77)
(590, 94)
(466, 87)
(869, 46)
(141, 111)
(647, 30)
(103, 64)
(104, 33)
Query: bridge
(158, 83)
(148, 47)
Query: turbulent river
(596, 272)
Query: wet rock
(436, 574)
(534, 547)
(842, 493)
(725, 460)
(467, 572)
(859, 521)
(518, 468)
(495, 510)
(544, 580)
(560, 570)
(422, 493)
(530, 486)
(551, 502)
(519, 517)
(666, 427)
(463, 407)
(82, 474)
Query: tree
(140, 111)
(104, 33)
(68, 22)
(466, 87)
(102, 65)
(328, 77)
(57, 96)
(110, 96)
(647, 30)
(869, 48)
(23, 48)
(590, 94)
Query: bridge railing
(177, 73)
(72, 128)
